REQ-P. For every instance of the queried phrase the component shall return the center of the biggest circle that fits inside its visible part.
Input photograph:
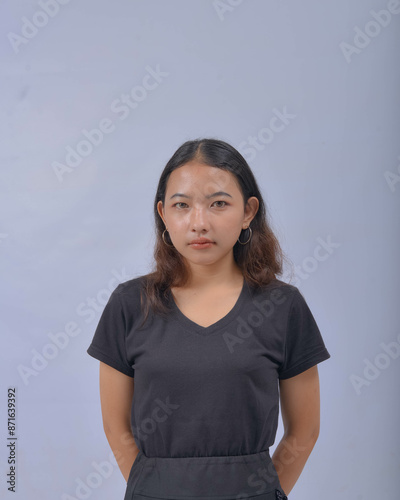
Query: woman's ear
(160, 210)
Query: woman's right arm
(116, 393)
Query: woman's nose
(199, 218)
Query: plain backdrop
(308, 93)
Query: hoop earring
(251, 234)
(168, 245)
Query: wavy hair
(260, 261)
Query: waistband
(229, 477)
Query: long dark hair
(260, 260)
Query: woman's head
(201, 168)
(204, 201)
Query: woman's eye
(221, 201)
(182, 203)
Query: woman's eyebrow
(218, 193)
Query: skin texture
(116, 393)
(213, 273)
(220, 219)
(300, 410)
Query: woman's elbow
(116, 427)
(304, 433)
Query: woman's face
(204, 201)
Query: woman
(195, 356)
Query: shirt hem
(316, 358)
(96, 353)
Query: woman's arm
(300, 408)
(116, 393)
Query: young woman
(196, 355)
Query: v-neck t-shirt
(207, 397)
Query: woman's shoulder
(277, 285)
(131, 286)
(130, 295)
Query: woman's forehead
(199, 177)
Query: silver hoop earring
(168, 245)
(251, 234)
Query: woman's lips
(202, 245)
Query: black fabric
(223, 478)
(208, 392)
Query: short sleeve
(108, 343)
(304, 345)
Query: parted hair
(261, 260)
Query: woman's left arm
(300, 409)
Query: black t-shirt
(208, 391)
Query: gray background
(331, 173)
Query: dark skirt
(233, 477)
